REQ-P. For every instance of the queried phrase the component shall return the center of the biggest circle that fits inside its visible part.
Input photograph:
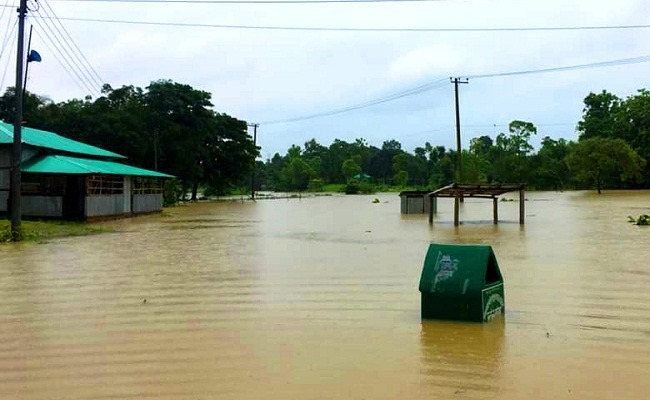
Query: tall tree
(605, 162)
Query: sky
(265, 76)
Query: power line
(409, 92)
(600, 64)
(254, 1)
(62, 59)
(442, 82)
(6, 35)
(11, 52)
(65, 51)
(65, 47)
(348, 29)
(80, 55)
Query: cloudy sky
(269, 75)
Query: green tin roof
(58, 164)
(50, 140)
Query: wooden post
(495, 206)
(434, 203)
(431, 209)
(457, 209)
(522, 206)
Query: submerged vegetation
(39, 231)
(641, 220)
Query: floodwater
(318, 299)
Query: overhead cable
(77, 51)
(253, 1)
(409, 92)
(350, 29)
(54, 46)
(67, 50)
(11, 52)
(600, 64)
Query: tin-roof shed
(64, 178)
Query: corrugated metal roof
(58, 164)
(50, 140)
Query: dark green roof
(50, 140)
(58, 164)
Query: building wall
(127, 194)
(104, 205)
(42, 206)
(414, 204)
(143, 203)
(5, 165)
(5, 171)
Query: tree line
(167, 126)
(174, 128)
(611, 152)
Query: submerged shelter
(63, 178)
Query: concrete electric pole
(16, 209)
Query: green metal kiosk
(461, 282)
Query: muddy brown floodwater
(318, 299)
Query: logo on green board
(493, 303)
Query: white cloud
(426, 61)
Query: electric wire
(68, 50)
(600, 64)
(80, 55)
(442, 82)
(62, 59)
(5, 41)
(349, 29)
(409, 92)
(11, 52)
(253, 1)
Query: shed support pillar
(457, 210)
(522, 206)
(431, 209)
(495, 207)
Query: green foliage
(354, 187)
(168, 126)
(641, 220)
(604, 162)
(315, 185)
(172, 192)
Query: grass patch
(334, 187)
(40, 231)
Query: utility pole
(459, 170)
(254, 163)
(16, 210)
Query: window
(104, 185)
(143, 185)
(43, 184)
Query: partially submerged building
(63, 178)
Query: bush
(315, 185)
(172, 191)
(359, 188)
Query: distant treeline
(172, 127)
(168, 126)
(613, 146)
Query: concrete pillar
(522, 206)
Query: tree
(598, 115)
(604, 162)
(350, 167)
(298, 172)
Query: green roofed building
(63, 178)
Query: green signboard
(493, 302)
